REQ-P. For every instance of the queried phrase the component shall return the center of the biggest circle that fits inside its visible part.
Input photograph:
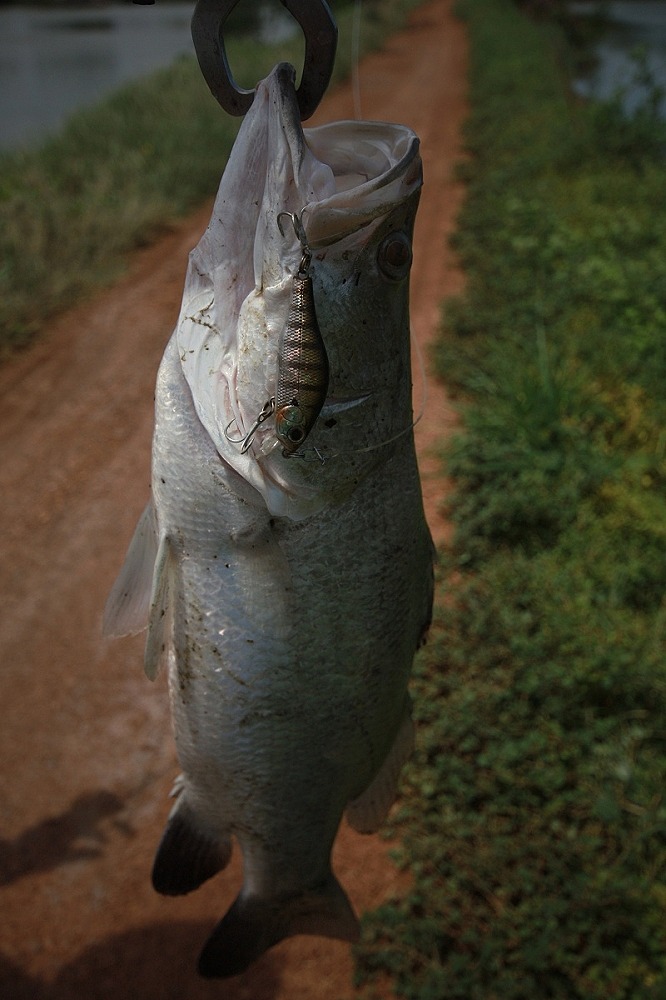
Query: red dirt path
(87, 753)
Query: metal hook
(301, 236)
(321, 37)
(266, 410)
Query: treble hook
(321, 37)
(266, 411)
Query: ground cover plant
(118, 173)
(533, 820)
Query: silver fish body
(288, 594)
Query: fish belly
(289, 648)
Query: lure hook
(267, 409)
(321, 38)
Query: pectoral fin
(253, 925)
(160, 620)
(128, 604)
(367, 812)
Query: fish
(285, 591)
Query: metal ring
(321, 36)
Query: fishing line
(418, 354)
(405, 430)
(355, 58)
(317, 456)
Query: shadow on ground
(149, 963)
(75, 835)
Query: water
(55, 61)
(634, 26)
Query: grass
(533, 820)
(119, 173)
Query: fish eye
(395, 256)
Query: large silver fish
(286, 588)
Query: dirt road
(87, 755)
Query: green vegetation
(71, 210)
(534, 819)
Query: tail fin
(186, 857)
(253, 925)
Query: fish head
(334, 205)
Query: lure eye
(395, 256)
(289, 427)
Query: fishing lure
(303, 370)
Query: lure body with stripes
(286, 592)
(302, 368)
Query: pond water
(635, 27)
(56, 60)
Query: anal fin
(254, 924)
(367, 812)
(186, 857)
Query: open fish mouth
(339, 180)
